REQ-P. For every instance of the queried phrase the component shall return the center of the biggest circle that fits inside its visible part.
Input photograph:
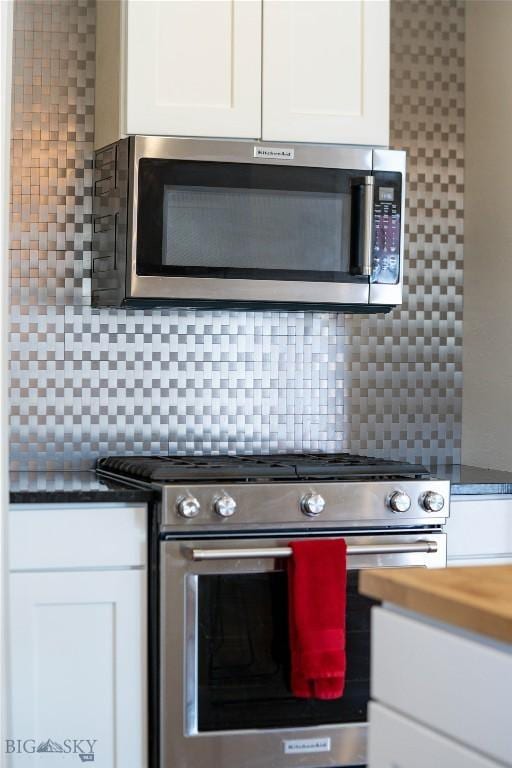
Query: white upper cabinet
(326, 71)
(194, 67)
(178, 68)
(280, 70)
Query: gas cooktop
(279, 490)
(293, 466)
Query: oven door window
(244, 659)
(230, 220)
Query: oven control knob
(399, 501)
(312, 504)
(225, 506)
(188, 506)
(432, 501)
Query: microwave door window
(229, 220)
(219, 228)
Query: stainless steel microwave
(238, 223)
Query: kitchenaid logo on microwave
(274, 153)
(302, 746)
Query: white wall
(5, 129)
(487, 350)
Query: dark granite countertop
(71, 487)
(474, 480)
(74, 487)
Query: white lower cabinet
(454, 683)
(397, 742)
(78, 659)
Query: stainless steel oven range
(221, 649)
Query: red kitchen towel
(317, 581)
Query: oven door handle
(280, 552)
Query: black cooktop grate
(294, 466)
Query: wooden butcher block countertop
(477, 599)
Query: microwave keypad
(386, 242)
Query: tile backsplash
(88, 382)
(404, 377)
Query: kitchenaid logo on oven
(303, 746)
(274, 153)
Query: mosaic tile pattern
(89, 382)
(404, 376)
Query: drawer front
(397, 742)
(74, 536)
(479, 527)
(445, 679)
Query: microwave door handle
(369, 186)
(284, 552)
(364, 243)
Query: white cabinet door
(78, 667)
(193, 68)
(326, 71)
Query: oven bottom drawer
(322, 747)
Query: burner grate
(309, 466)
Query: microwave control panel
(387, 205)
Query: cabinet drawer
(479, 527)
(445, 678)
(397, 742)
(44, 537)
